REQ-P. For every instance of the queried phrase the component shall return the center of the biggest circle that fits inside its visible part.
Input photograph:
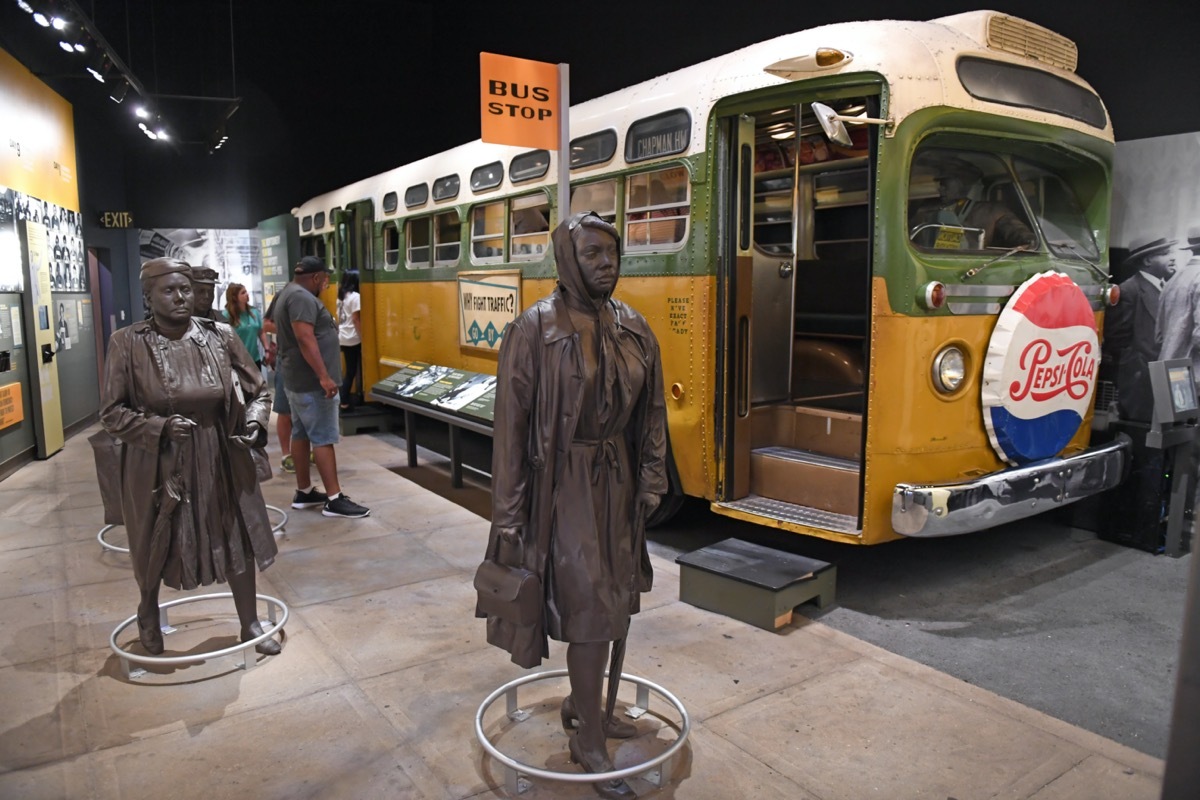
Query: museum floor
(384, 667)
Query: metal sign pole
(564, 142)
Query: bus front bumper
(948, 509)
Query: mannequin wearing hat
(1179, 308)
(956, 177)
(1129, 326)
(186, 400)
(204, 291)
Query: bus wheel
(672, 501)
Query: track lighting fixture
(98, 66)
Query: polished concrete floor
(384, 667)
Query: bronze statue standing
(578, 465)
(187, 401)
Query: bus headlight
(949, 369)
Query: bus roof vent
(1023, 38)
(1015, 35)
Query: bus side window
(418, 243)
(447, 235)
(391, 247)
(656, 211)
(530, 226)
(600, 197)
(487, 233)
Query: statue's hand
(244, 442)
(179, 429)
(510, 536)
(647, 502)
(254, 433)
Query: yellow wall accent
(37, 138)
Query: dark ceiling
(332, 92)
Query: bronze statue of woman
(578, 465)
(187, 401)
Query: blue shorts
(314, 417)
(280, 403)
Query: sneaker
(288, 465)
(343, 506)
(309, 499)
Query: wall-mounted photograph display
(236, 255)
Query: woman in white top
(349, 332)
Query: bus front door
(804, 317)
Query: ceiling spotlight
(41, 19)
(151, 134)
(58, 23)
(142, 126)
(70, 48)
(98, 66)
(21, 4)
(79, 48)
(160, 134)
(142, 113)
(120, 88)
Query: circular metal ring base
(282, 522)
(275, 608)
(515, 770)
(108, 545)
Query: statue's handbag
(514, 594)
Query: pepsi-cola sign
(1040, 372)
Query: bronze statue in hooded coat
(187, 401)
(578, 464)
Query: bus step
(808, 457)
(753, 583)
(804, 478)
(757, 508)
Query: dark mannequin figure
(578, 465)
(187, 401)
(954, 207)
(204, 290)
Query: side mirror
(832, 125)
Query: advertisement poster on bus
(488, 302)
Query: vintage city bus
(826, 231)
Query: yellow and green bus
(824, 324)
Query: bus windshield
(980, 199)
(1048, 192)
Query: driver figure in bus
(956, 208)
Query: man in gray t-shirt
(310, 359)
(298, 303)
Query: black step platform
(365, 419)
(753, 583)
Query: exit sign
(116, 219)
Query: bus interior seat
(828, 358)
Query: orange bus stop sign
(518, 101)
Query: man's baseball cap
(310, 265)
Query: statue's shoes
(267, 647)
(613, 728)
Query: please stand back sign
(519, 101)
